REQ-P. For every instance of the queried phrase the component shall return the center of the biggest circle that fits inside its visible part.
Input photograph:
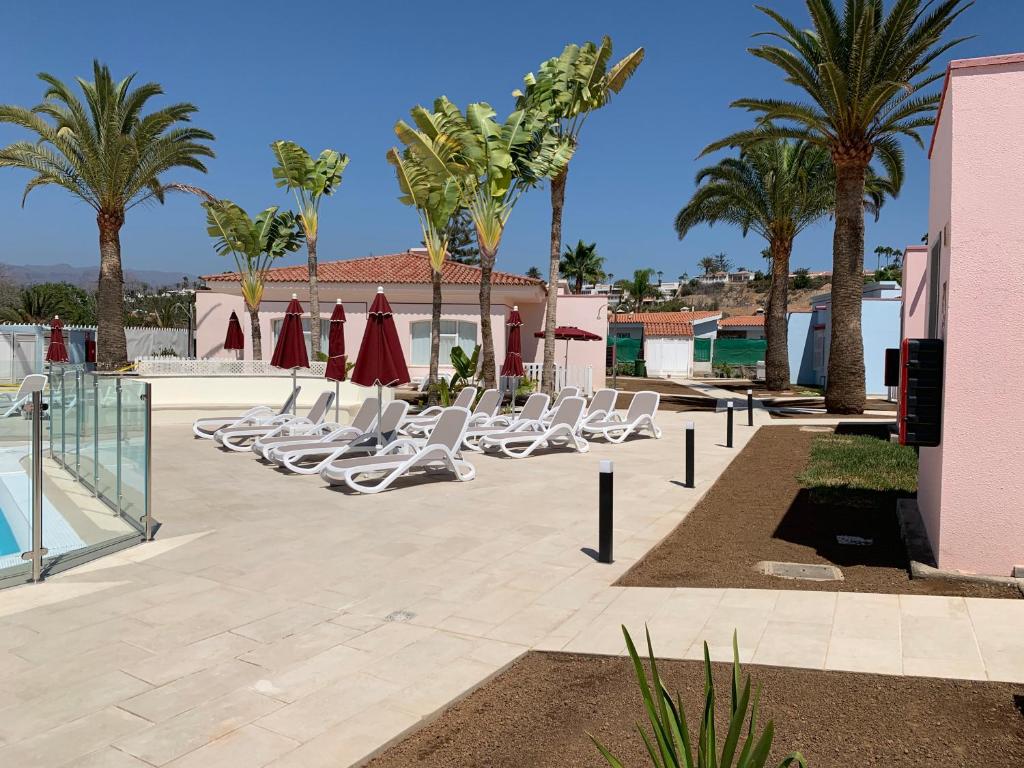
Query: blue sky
(340, 74)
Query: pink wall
(915, 293)
(972, 486)
(411, 303)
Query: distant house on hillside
(741, 276)
(715, 278)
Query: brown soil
(758, 511)
(674, 396)
(539, 711)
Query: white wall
(669, 355)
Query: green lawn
(858, 462)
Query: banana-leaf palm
(310, 179)
(566, 89)
(581, 264)
(254, 243)
(865, 74)
(775, 188)
(106, 150)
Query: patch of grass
(857, 462)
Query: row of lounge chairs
(392, 444)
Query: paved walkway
(277, 623)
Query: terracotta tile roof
(742, 321)
(405, 267)
(664, 323)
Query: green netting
(739, 351)
(626, 350)
(702, 350)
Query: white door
(669, 356)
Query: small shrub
(673, 747)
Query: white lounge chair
(241, 438)
(438, 452)
(361, 423)
(529, 417)
(296, 456)
(559, 399)
(207, 426)
(562, 431)
(640, 416)
(601, 405)
(14, 403)
(429, 416)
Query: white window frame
(464, 330)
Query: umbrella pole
(337, 404)
(294, 376)
(380, 432)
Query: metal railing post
(36, 554)
(63, 420)
(78, 424)
(147, 395)
(117, 488)
(95, 436)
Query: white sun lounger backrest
(366, 415)
(34, 382)
(566, 392)
(289, 404)
(602, 401)
(465, 398)
(319, 410)
(488, 403)
(392, 416)
(534, 407)
(450, 429)
(569, 412)
(643, 404)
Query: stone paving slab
(255, 631)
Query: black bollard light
(728, 425)
(750, 407)
(689, 454)
(604, 534)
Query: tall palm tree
(777, 189)
(310, 180)
(863, 72)
(709, 264)
(639, 289)
(566, 89)
(581, 264)
(111, 155)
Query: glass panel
(15, 494)
(72, 398)
(325, 328)
(134, 485)
(106, 437)
(88, 435)
(421, 343)
(467, 336)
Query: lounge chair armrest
(428, 412)
(399, 445)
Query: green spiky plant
(672, 746)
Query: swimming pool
(59, 536)
(8, 544)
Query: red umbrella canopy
(513, 365)
(57, 352)
(90, 350)
(336, 345)
(234, 338)
(571, 333)
(290, 351)
(380, 359)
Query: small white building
(667, 337)
(741, 276)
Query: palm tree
(310, 180)
(863, 72)
(777, 189)
(582, 265)
(639, 289)
(534, 272)
(254, 244)
(109, 154)
(37, 304)
(709, 264)
(566, 89)
(429, 171)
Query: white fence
(179, 366)
(574, 375)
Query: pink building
(406, 280)
(967, 288)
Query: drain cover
(800, 571)
(400, 616)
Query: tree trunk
(314, 299)
(844, 392)
(433, 397)
(257, 337)
(776, 328)
(487, 368)
(111, 345)
(579, 284)
(551, 316)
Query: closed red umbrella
(234, 339)
(513, 365)
(90, 349)
(57, 352)
(570, 333)
(380, 361)
(336, 362)
(290, 350)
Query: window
(454, 333)
(934, 266)
(325, 327)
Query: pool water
(8, 544)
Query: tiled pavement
(253, 632)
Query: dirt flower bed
(539, 711)
(759, 511)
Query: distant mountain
(84, 277)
